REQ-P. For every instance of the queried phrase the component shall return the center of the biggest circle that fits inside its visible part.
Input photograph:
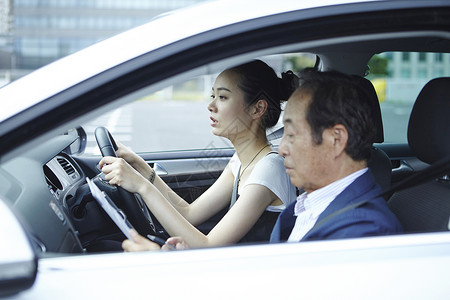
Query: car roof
(163, 30)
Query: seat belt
(438, 169)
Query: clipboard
(111, 209)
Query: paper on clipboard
(111, 209)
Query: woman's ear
(259, 108)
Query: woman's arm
(235, 224)
(218, 196)
(214, 199)
(140, 165)
(197, 212)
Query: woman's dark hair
(338, 99)
(259, 81)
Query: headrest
(367, 86)
(429, 123)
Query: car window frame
(184, 56)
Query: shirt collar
(317, 201)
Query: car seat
(426, 207)
(379, 163)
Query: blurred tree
(297, 63)
(378, 66)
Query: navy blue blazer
(372, 218)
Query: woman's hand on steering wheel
(118, 172)
(137, 162)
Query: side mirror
(80, 140)
(18, 262)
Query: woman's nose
(212, 105)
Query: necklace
(239, 175)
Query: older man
(327, 139)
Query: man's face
(307, 164)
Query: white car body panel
(403, 266)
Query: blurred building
(410, 71)
(34, 33)
(5, 41)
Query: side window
(398, 78)
(176, 117)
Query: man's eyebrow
(289, 125)
(287, 121)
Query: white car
(50, 229)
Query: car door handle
(160, 170)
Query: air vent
(66, 166)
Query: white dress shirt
(309, 206)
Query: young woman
(245, 101)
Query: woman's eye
(212, 97)
(222, 97)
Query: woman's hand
(119, 172)
(137, 162)
(140, 243)
(127, 154)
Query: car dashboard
(44, 185)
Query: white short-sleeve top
(270, 172)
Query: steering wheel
(131, 204)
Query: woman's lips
(213, 122)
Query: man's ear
(259, 108)
(339, 135)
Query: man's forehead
(295, 106)
(290, 119)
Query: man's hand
(143, 244)
(177, 242)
